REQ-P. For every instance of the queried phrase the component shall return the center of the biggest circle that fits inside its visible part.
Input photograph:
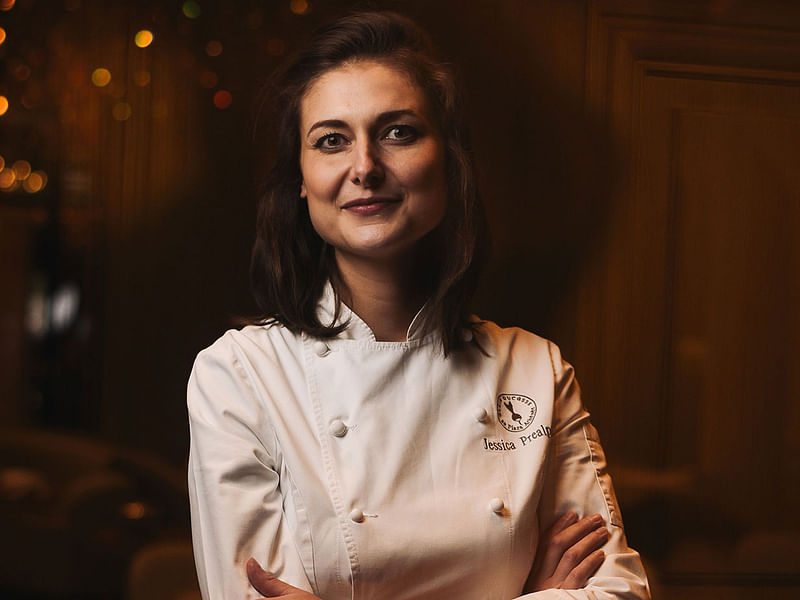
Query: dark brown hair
(290, 262)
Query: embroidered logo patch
(515, 411)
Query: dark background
(638, 165)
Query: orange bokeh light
(143, 38)
(223, 99)
(101, 77)
(300, 7)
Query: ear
(303, 192)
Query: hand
(272, 587)
(569, 553)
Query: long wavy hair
(290, 262)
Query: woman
(369, 439)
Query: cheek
(427, 178)
(321, 179)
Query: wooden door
(688, 336)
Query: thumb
(264, 582)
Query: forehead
(360, 90)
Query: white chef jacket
(359, 469)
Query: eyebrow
(382, 118)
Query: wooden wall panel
(687, 329)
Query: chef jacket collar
(356, 328)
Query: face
(372, 161)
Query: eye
(330, 141)
(401, 133)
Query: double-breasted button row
(496, 505)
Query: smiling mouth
(364, 203)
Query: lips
(371, 206)
(369, 201)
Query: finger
(585, 569)
(264, 582)
(549, 554)
(560, 543)
(567, 519)
(581, 549)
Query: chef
(368, 439)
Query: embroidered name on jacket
(515, 411)
(504, 445)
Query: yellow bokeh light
(143, 38)
(3, 105)
(300, 7)
(141, 78)
(121, 111)
(101, 77)
(21, 168)
(214, 48)
(7, 179)
(7, 4)
(35, 182)
(2, 35)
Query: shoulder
(516, 343)
(520, 349)
(251, 344)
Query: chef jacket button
(480, 415)
(466, 335)
(356, 515)
(497, 505)
(337, 428)
(321, 348)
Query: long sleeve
(576, 479)
(234, 479)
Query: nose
(367, 170)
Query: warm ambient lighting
(35, 182)
(7, 179)
(214, 48)
(143, 38)
(2, 35)
(141, 78)
(21, 168)
(3, 105)
(300, 7)
(208, 79)
(223, 99)
(101, 77)
(121, 111)
(7, 4)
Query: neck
(385, 295)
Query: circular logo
(515, 411)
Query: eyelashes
(330, 141)
(400, 134)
